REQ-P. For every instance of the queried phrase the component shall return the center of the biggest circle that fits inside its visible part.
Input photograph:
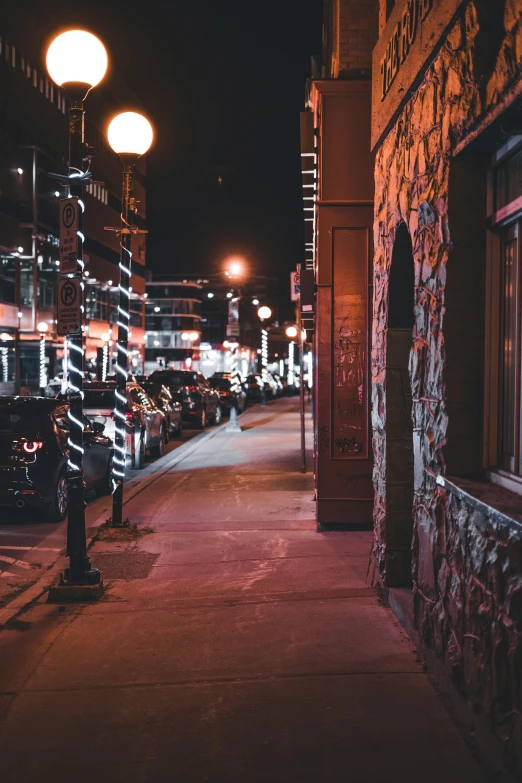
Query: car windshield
(223, 384)
(98, 398)
(24, 415)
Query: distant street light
(291, 331)
(130, 135)
(76, 61)
(235, 268)
(255, 302)
(264, 312)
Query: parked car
(223, 385)
(145, 422)
(200, 404)
(34, 451)
(253, 385)
(170, 403)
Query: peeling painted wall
(466, 571)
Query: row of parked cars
(34, 431)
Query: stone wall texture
(467, 569)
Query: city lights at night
(260, 398)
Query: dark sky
(223, 82)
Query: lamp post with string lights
(76, 61)
(235, 271)
(130, 136)
(264, 313)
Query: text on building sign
(402, 40)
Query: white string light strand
(291, 357)
(75, 356)
(5, 373)
(264, 355)
(43, 373)
(122, 356)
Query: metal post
(79, 571)
(122, 346)
(302, 396)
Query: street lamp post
(235, 270)
(77, 61)
(264, 313)
(130, 136)
(42, 328)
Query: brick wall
(353, 31)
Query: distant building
(173, 324)
(33, 146)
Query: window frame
(500, 221)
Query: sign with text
(68, 235)
(307, 288)
(402, 53)
(69, 315)
(233, 311)
(232, 330)
(295, 286)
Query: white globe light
(130, 132)
(42, 326)
(264, 312)
(291, 331)
(77, 56)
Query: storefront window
(96, 303)
(508, 192)
(7, 280)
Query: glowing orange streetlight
(235, 268)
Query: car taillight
(31, 446)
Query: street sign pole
(301, 384)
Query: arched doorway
(399, 425)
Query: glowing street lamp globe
(130, 133)
(42, 327)
(264, 312)
(235, 268)
(291, 331)
(77, 57)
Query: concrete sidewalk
(234, 644)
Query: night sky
(223, 82)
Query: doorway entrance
(399, 424)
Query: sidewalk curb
(29, 596)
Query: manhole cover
(124, 565)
